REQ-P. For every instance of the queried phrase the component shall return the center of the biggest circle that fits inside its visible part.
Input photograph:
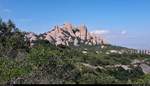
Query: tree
(11, 39)
(11, 26)
(0, 24)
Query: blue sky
(121, 22)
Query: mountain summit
(67, 35)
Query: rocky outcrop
(83, 32)
(31, 37)
(69, 28)
(69, 35)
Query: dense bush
(11, 39)
(46, 63)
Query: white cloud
(101, 32)
(123, 32)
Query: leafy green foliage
(10, 68)
(46, 63)
(11, 39)
(145, 79)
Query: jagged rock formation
(31, 37)
(70, 35)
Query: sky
(120, 22)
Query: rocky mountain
(67, 35)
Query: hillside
(37, 59)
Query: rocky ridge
(67, 35)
